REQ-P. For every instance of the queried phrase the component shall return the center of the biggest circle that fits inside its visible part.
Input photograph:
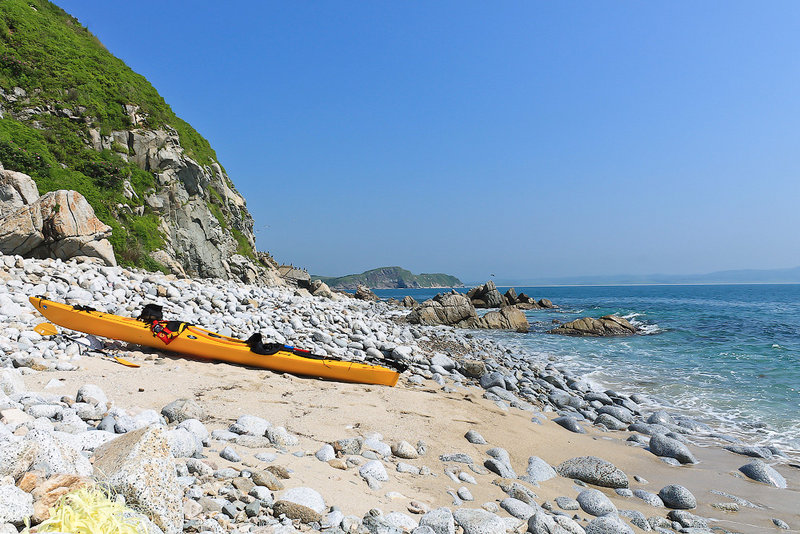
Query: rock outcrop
(59, 224)
(363, 293)
(608, 325)
(455, 309)
(488, 296)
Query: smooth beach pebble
(678, 497)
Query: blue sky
(525, 139)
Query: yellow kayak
(201, 343)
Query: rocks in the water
(140, 467)
(749, 450)
(364, 293)
(444, 309)
(661, 445)
(593, 470)
(455, 309)
(678, 497)
(608, 325)
(761, 472)
(486, 296)
(595, 502)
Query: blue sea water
(727, 354)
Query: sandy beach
(320, 412)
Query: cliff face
(391, 278)
(73, 116)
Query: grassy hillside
(67, 73)
(391, 277)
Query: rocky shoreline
(476, 437)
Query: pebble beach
(476, 437)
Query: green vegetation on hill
(390, 278)
(76, 85)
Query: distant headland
(390, 278)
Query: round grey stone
(677, 497)
(661, 445)
(593, 470)
(595, 502)
(761, 472)
(374, 469)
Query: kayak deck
(202, 343)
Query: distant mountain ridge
(737, 276)
(390, 278)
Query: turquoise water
(728, 354)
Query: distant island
(390, 278)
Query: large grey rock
(507, 318)
(59, 224)
(476, 521)
(444, 309)
(16, 190)
(46, 452)
(440, 520)
(595, 502)
(486, 296)
(761, 472)
(15, 505)
(661, 445)
(678, 497)
(593, 470)
(608, 325)
(140, 467)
